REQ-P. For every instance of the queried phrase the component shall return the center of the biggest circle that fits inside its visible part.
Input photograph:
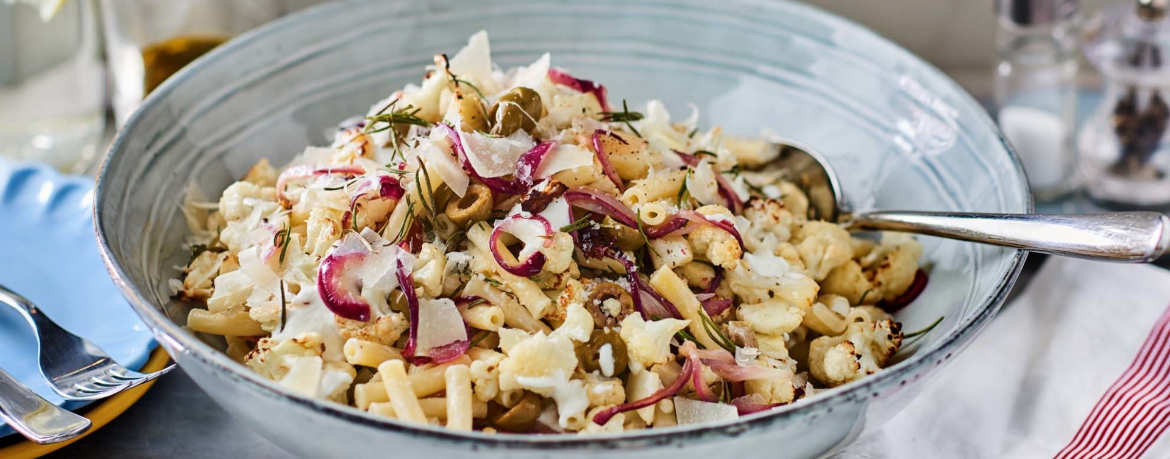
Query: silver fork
(74, 367)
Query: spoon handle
(1117, 236)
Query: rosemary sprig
(459, 81)
(645, 239)
(284, 240)
(406, 222)
(716, 334)
(283, 306)
(342, 187)
(706, 153)
(684, 194)
(915, 336)
(625, 116)
(353, 215)
(691, 135)
(582, 222)
(479, 338)
(493, 282)
(405, 116)
(684, 335)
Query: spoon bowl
(1110, 236)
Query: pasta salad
(512, 251)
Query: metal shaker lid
(1036, 12)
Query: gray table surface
(176, 420)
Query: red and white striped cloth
(1078, 367)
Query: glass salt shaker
(1035, 89)
(1125, 160)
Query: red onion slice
(299, 172)
(716, 306)
(439, 354)
(339, 286)
(646, 300)
(677, 224)
(747, 405)
(387, 187)
(688, 370)
(562, 78)
(530, 260)
(911, 293)
(733, 202)
(530, 161)
(603, 158)
(596, 201)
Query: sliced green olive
(519, 109)
(520, 418)
(609, 303)
(589, 353)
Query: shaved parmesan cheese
(535, 77)
(445, 166)
(764, 262)
(701, 184)
(261, 274)
(495, 156)
(308, 314)
(563, 157)
(304, 375)
(697, 412)
(474, 63)
(439, 324)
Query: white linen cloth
(1027, 383)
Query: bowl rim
(177, 339)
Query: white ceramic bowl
(901, 134)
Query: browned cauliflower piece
(385, 329)
(862, 350)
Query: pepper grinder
(1124, 155)
(1035, 89)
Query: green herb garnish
(915, 336)
(715, 333)
(479, 338)
(583, 222)
(625, 116)
(645, 239)
(283, 306)
(684, 194)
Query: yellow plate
(100, 414)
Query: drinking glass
(52, 85)
(149, 40)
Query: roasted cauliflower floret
(270, 358)
(323, 229)
(716, 245)
(485, 377)
(648, 343)
(823, 246)
(385, 329)
(772, 317)
(862, 350)
(849, 282)
(241, 198)
(768, 216)
(198, 285)
(896, 265)
(262, 174)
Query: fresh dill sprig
(715, 333)
(582, 222)
(625, 116)
(645, 239)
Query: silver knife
(34, 417)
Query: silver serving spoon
(1114, 236)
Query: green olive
(520, 418)
(589, 353)
(519, 109)
(600, 304)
